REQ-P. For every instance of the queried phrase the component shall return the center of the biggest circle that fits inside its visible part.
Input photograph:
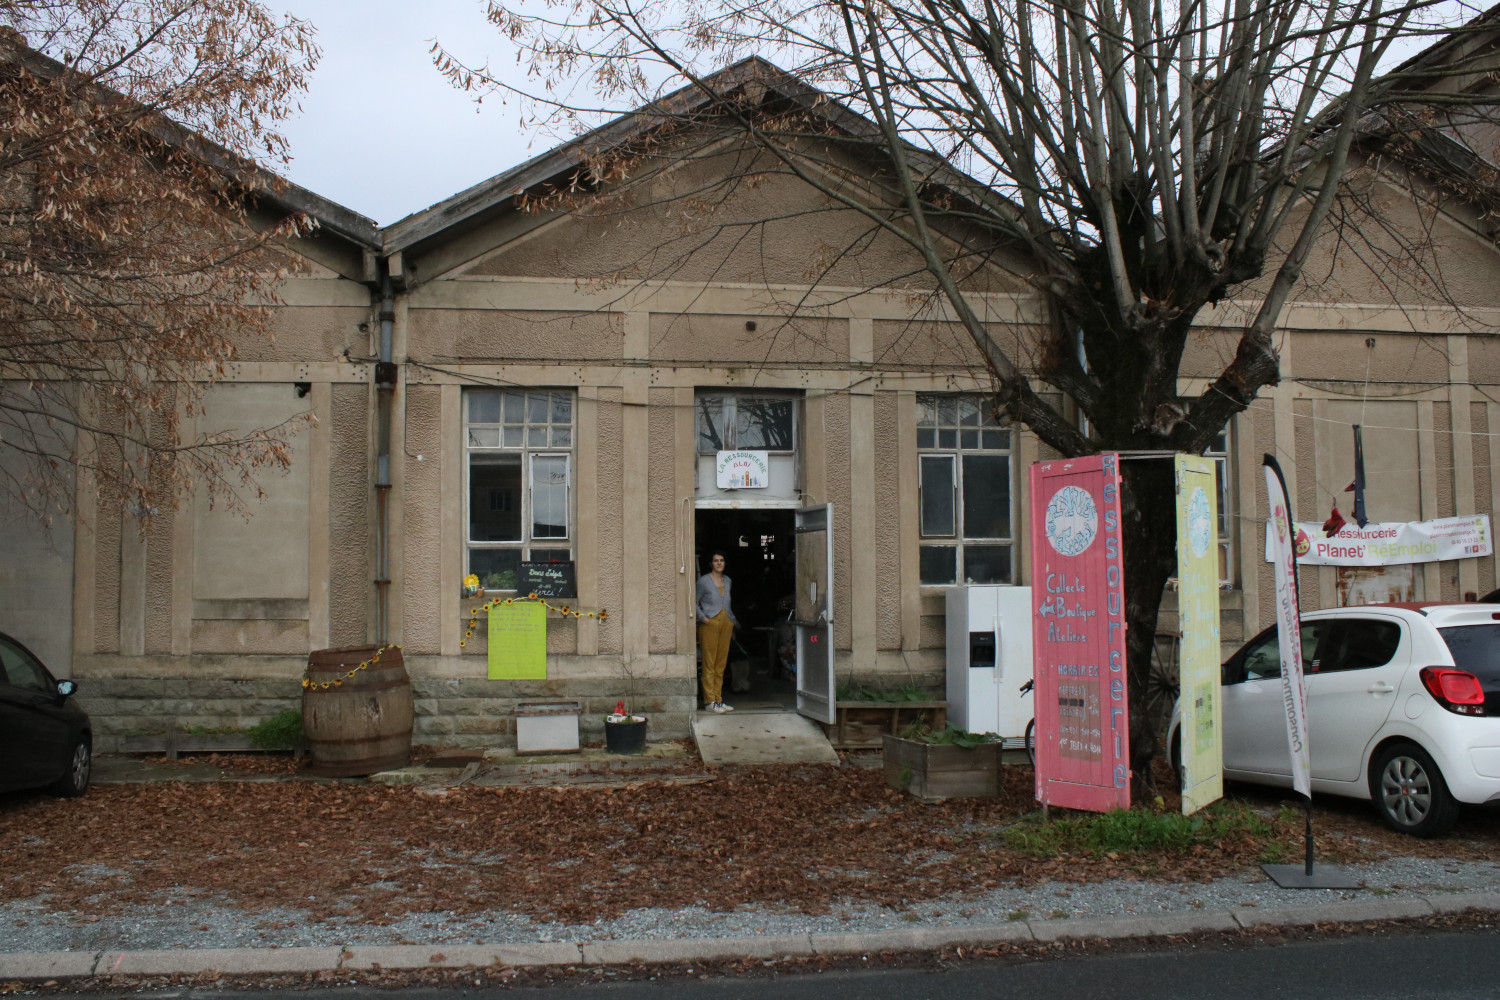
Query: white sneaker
(718, 707)
(725, 708)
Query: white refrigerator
(989, 658)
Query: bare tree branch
(130, 132)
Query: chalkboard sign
(547, 579)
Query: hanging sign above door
(742, 470)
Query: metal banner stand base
(1306, 875)
(1322, 877)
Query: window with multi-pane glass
(727, 420)
(1218, 453)
(520, 457)
(964, 495)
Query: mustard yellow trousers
(713, 639)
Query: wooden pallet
(860, 725)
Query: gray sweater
(710, 601)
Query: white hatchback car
(1403, 708)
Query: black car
(45, 739)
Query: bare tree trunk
(1149, 509)
(1143, 161)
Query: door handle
(1381, 687)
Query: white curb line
(44, 965)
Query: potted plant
(950, 763)
(624, 733)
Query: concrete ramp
(761, 738)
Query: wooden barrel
(362, 725)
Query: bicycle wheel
(1162, 682)
(1031, 740)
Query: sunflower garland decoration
(563, 610)
(309, 684)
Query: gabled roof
(1440, 152)
(267, 187)
(489, 198)
(1441, 53)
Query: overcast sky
(381, 132)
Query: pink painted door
(1078, 593)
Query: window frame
(958, 542)
(953, 490)
(1219, 453)
(529, 500)
(528, 454)
(728, 400)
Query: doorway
(760, 554)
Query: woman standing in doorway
(716, 625)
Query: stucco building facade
(495, 381)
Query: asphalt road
(1410, 965)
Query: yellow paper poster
(518, 642)
(1198, 614)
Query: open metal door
(813, 617)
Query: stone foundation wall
(120, 707)
(456, 704)
(450, 712)
(464, 712)
(896, 668)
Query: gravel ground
(164, 865)
(184, 923)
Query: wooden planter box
(932, 772)
(859, 725)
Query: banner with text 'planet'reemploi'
(1078, 624)
(1390, 543)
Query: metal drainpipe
(385, 389)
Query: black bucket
(625, 737)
